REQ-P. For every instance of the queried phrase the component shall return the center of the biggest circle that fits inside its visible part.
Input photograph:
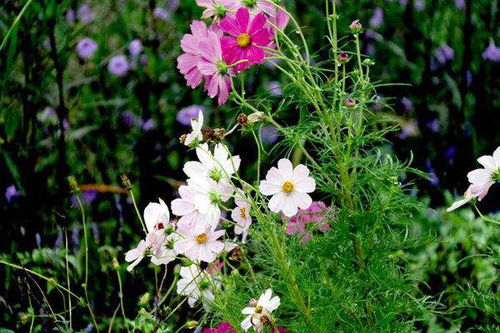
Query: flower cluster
(237, 38)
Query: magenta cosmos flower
(246, 37)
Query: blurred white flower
(196, 284)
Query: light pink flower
(217, 165)
(199, 243)
(289, 187)
(241, 215)
(217, 72)
(246, 36)
(216, 8)
(187, 63)
(258, 6)
(481, 179)
(312, 215)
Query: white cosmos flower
(481, 179)
(260, 313)
(217, 165)
(196, 284)
(156, 218)
(196, 135)
(199, 243)
(199, 201)
(289, 187)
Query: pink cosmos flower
(217, 72)
(289, 187)
(241, 215)
(246, 36)
(199, 243)
(216, 8)
(312, 215)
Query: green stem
(131, 193)
(14, 24)
(486, 218)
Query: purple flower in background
(444, 53)
(269, 134)
(185, 115)
(408, 129)
(75, 235)
(38, 240)
(59, 240)
(11, 192)
(86, 48)
(161, 14)
(148, 124)
(433, 125)
(118, 65)
(403, 2)
(274, 88)
(433, 178)
(370, 49)
(460, 4)
(492, 52)
(468, 77)
(377, 18)
(95, 231)
(135, 47)
(87, 197)
(85, 14)
(173, 4)
(130, 119)
(70, 16)
(419, 5)
(450, 153)
(144, 59)
(223, 327)
(407, 104)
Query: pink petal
(230, 26)
(257, 23)
(242, 18)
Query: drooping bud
(191, 324)
(219, 134)
(209, 134)
(356, 27)
(350, 103)
(126, 182)
(115, 264)
(73, 185)
(368, 62)
(256, 117)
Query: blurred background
(90, 89)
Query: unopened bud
(368, 62)
(349, 103)
(209, 134)
(144, 299)
(356, 27)
(236, 254)
(73, 185)
(219, 134)
(342, 58)
(52, 282)
(191, 324)
(252, 302)
(126, 182)
(24, 318)
(115, 264)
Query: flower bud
(191, 324)
(242, 119)
(209, 134)
(236, 254)
(350, 103)
(342, 58)
(252, 302)
(126, 182)
(144, 299)
(24, 318)
(115, 264)
(356, 27)
(219, 134)
(73, 185)
(368, 62)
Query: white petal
(194, 168)
(300, 172)
(152, 214)
(273, 304)
(285, 167)
(302, 200)
(268, 188)
(496, 157)
(479, 176)
(247, 323)
(488, 162)
(277, 202)
(306, 185)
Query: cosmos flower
(216, 8)
(196, 136)
(259, 313)
(86, 48)
(217, 73)
(196, 284)
(241, 215)
(481, 179)
(312, 215)
(246, 37)
(118, 65)
(217, 165)
(289, 187)
(199, 242)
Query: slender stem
(85, 239)
(358, 54)
(257, 142)
(120, 295)
(131, 193)
(67, 277)
(486, 218)
(14, 24)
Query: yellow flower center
(258, 309)
(243, 40)
(288, 187)
(201, 239)
(243, 211)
